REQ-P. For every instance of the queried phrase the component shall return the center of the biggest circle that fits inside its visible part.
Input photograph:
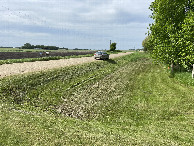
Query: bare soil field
(28, 67)
(21, 55)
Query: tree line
(171, 37)
(29, 46)
(5, 47)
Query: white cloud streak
(75, 23)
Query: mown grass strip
(128, 101)
(41, 88)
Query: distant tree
(147, 44)
(42, 46)
(27, 46)
(64, 48)
(113, 46)
(51, 48)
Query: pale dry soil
(29, 67)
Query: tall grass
(125, 101)
(184, 78)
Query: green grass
(117, 51)
(125, 101)
(184, 78)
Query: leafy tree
(172, 41)
(147, 44)
(113, 46)
(186, 41)
(27, 46)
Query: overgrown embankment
(125, 101)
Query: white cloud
(93, 20)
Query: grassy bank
(125, 101)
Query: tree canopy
(147, 44)
(29, 46)
(172, 32)
(113, 46)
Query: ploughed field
(21, 55)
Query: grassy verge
(184, 78)
(125, 101)
(117, 51)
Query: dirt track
(27, 67)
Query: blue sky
(86, 24)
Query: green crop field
(125, 101)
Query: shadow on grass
(111, 61)
(172, 74)
(178, 69)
